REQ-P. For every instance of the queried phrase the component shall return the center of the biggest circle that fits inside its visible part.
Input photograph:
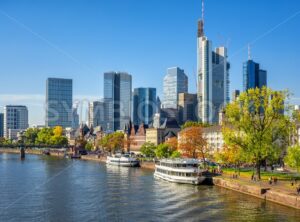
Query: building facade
(213, 136)
(187, 105)
(15, 120)
(96, 114)
(75, 118)
(235, 95)
(213, 78)
(59, 102)
(253, 76)
(175, 82)
(1, 125)
(118, 96)
(144, 105)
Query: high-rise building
(213, 78)
(187, 104)
(235, 94)
(59, 102)
(118, 97)
(1, 125)
(75, 118)
(15, 120)
(96, 114)
(253, 76)
(158, 105)
(144, 105)
(175, 82)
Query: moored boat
(180, 171)
(125, 160)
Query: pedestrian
(275, 180)
(298, 190)
(270, 180)
(252, 177)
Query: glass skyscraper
(59, 102)
(1, 125)
(144, 105)
(175, 82)
(117, 96)
(253, 76)
(213, 78)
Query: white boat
(180, 171)
(125, 160)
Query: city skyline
(71, 61)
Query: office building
(96, 114)
(253, 76)
(59, 102)
(118, 98)
(235, 95)
(144, 105)
(75, 118)
(213, 78)
(15, 120)
(187, 105)
(175, 82)
(1, 125)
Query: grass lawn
(264, 175)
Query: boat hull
(183, 180)
(129, 164)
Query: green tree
(255, 122)
(148, 149)
(175, 154)
(163, 151)
(31, 135)
(89, 146)
(44, 136)
(292, 158)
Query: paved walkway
(281, 185)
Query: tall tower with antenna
(212, 77)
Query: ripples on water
(50, 189)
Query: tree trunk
(258, 169)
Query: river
(42, 188)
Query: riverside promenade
(282, 192)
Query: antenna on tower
(249, 52)
(203, 11)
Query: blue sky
(81, 39)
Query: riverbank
(95, 158)
(260, 190)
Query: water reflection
(51, 189)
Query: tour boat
(125, 160)
(180, 171)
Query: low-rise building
(212, 135)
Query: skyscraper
(253, 76)
(235, 94)
(15, 120)
(1, 125)
(75, 118)
(213, 77)
(118, 97)
(59, 102)
(175, 82)
(96, 115)
(187, 104)
(144, 105)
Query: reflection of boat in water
(125, 160)
(180, 171)
(72, 156)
